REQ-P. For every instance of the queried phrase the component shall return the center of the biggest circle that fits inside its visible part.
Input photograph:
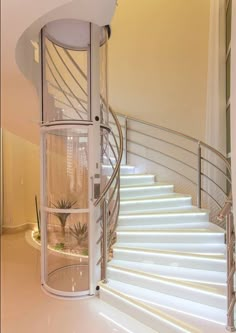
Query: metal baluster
(104, 238)
(199, 175)
(126, 140)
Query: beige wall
(21, 179)
(158, 58)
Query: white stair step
(176, 273)
(190, 312)
(107, 160)
(188, 248)
(170, 236)
(175, 259)
(168, 217)
(145, 191)
(194, 226)
(139, 179)
(124, 169)
(160, 203)
(156, 319)
(214, 296)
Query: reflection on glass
(67, 168)
(67, 252)
(65, 95)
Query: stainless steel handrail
(190, 138)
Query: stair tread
(154, 250)
(161, 197)
(155, 313)
(180, 307)
(190, 226)
(170, 231)
(174, 211)
(175, 273)
(145, 186)
(217, 290)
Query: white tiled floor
(27, 309)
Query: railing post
(199, 175)
(126, 140)
(230, 241)
(104, 241)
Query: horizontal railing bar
(160, 152)
(188, 137)
(162, 140)
(225, 175)
(211, 180)
(208, 194)
(158, 163)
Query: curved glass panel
(66, 208)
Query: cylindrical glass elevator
(74, 112)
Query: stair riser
(142, 237)
(169, 219)
(138, 313)
(194, 226)
(113, 160)
(186, 275)
(145, 192)
(124, 170)
(153, 205)
(144, 180)
(171, 260)
(168, 288)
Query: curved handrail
(190, 138)
(117, 167)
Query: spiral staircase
(164, 258)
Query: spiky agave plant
(79, 231)
(63, 204)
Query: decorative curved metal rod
(66, 66)
(50, 70)
(63, 80)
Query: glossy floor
(27, 309)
